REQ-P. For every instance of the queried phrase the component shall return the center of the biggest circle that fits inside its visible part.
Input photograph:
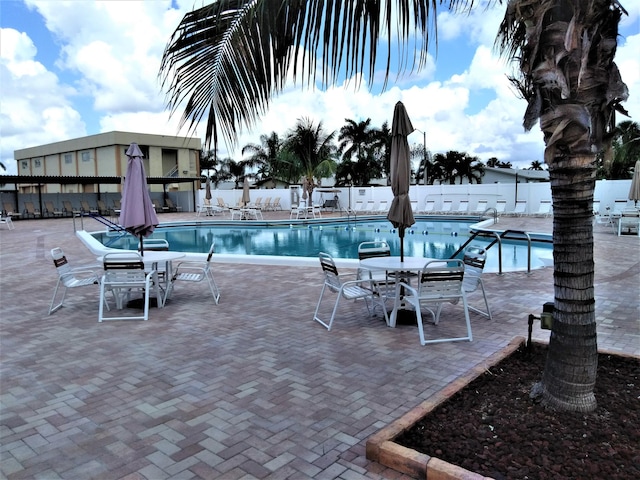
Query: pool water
(434, 239)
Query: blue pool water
(434, 239)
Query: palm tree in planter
(227, 59)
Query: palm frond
(226, 60)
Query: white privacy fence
(606, 191)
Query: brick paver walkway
(249, 388)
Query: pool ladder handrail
(518, 235)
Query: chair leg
(52, 307)
(315, 315)
(214, 288)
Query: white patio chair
(481, 207)
(7, 221)
(69, 277)
(383, 208)
(194, 271)
(370, 207)
(377, 248)
(501, 206)
(429, 206)
(123, 274)
(359, 207)
(474, 260)
(356, 289)
(157, 245)
(439, 281)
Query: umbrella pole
(141, 246)
(401, 235)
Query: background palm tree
(625, 150)
(535, 165)
(312, 152)
(227, 59)
(267, 156)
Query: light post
(424, 152)
(349, 182)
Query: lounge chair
(69, 209)
(429, 206)
(84, 206)
(358, 207)
(414, 206)
(51, 210)
(481, 207)
(347, 287)
(9, 210)
(501, 206)
(124, 273)
(276, 204)
(172, 206)
(438, 282)
(31, 211)
(474, 260)
(463, 207)
(69, 278)
(383, 208)
(267, 204)
(544, 210)
(370, 207)
(520, 209)
(193, 271)
(446, 206)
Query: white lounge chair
(520, 209)
(544, 210)
(354, 289)
(501, 206)
(481, 207)
(383, 208)
(438, 282)
(429, 206)
(370, 207)
(463, 206)
(629, 222)
(446, 206)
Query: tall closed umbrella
(400, 213)
(305, 188)
(246, 197)
(207, 190)
(634, 191)
(137, 214)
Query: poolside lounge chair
(69, 209)
(69, 277)
(429, 206)
(501, 206)
(481, 207)
(520, 209)
(193, 271)
(438, 282)
(124, 273)
(347, 287)
(31, 211)
(102, 208)
(474, 260)
(414, 206)
(51, 210)
(383, 208)
(446, 206)
(358, 207)
(463, 207)
(9, 210)
(619, 206)
(172, 207)
(370, 207)
(544, 210)
(84, 206)
(276, 204)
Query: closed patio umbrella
(207, 190)
(246, 196)
(634, 191)
(305, 188)
(400, 213)
(137, 214)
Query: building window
(85, 156)
(38, 163)
(67, 158)
(25, 165)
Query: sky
(74, 68)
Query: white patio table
(410, 265)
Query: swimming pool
(285, 239)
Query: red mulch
(493, 428)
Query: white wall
(607, 191)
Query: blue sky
(75, 68)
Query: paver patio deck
(249, 388)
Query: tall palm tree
(226, 60)
(535, 165)
(313, 151)
(267, 156)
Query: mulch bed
(493, 428)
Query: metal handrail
(495, 214)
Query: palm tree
(535, 165)
(313, 152)
(625, 151)
(226, 60)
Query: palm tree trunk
(570, 373)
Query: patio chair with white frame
(194, 271)
(474, 260)
(356, 289)
(69, 277)
(439, 281)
